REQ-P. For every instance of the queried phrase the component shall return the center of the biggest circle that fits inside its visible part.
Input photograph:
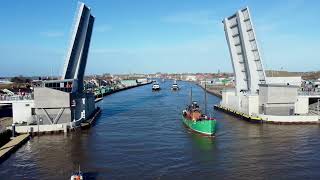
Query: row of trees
(20, 79)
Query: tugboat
(155, 87)
(77, 175)
(199, 122)
(175, 86)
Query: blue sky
(156, 35)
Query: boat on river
(194, 119)
(175, 86)
(155, 87)
(77, 175)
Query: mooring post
(13, 130)
(65, 130)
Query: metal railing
(29, 96)
(309, 93)
(65, 85)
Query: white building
(295, 81)
(191, 78)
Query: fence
(16, 97)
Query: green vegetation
(20, 79)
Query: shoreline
(215, 92)
(100, 96)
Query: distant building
(5, 81)
(190, 78)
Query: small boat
(77, 175)
(155, 87)
(175, 86)
(199, 122)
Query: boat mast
(205, 97)
(191, 96)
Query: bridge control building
(64, 103)
(274, 99)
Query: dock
(213, 91)
(247, 117)
(88, 123)
(12, 146)
(269, 119)
(99, 97)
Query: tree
(20, 79)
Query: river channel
(139, 135)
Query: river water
(139, 135)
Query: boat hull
(204, 127)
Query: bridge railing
(308, 93)
(16, 97)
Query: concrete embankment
(99, 97)
(88, 123)
(270, 119)
(247, 117)
(12, 146)
(36, 130)
(129, 87)
(214, 90)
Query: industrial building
(271, 99)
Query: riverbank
(270, 119)
(214, 90)
(88, 123)
(102, 94)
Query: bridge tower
(76, 59)
(244, 52)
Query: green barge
(205, 127)
(194, 119)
